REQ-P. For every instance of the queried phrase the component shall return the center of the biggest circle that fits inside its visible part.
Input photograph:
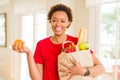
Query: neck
(58, 39)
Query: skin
(59, 23)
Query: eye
(53, 20)
(63, 21)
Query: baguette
(82, 36)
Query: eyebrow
(60, 18)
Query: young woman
(43, 64)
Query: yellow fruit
(83, 46)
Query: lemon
(83, 46)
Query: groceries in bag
(81, 54)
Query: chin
(58, 34)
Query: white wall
(9, 60)
(81, 16)
(6, 57)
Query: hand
(24, 49)
(75, 69)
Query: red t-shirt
(46, 53)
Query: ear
(69, 22)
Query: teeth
(58, 28)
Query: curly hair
(60, 7)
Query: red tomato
(70, 48)
(67, 44)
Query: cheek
(53, 24)
(65, 25)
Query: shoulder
(43, 41)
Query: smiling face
(59, 22)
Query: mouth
(58, 28)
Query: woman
(43, 66)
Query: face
(59, 22)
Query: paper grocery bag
(83, 57)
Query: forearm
(96, 70)
(33, 70)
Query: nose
(58, 23)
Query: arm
(77, 69)
(98, 68)
(35, 70)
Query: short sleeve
(37, 55)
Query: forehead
(59, 14)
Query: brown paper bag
(83, 57)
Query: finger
(72, 59)
(23, 49)
(69, 77)
(16, 47)
(64, 70)
(64, 75)
(65, 65)
(21, 45)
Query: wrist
(87, 72)
(29, 52)
(83, 71)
